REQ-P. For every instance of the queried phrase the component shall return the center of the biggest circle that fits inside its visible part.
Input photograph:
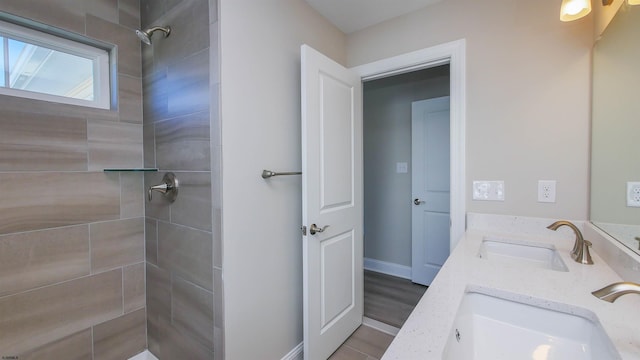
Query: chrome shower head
(145, 35)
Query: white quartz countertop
(425, 334)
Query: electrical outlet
(547, 191)
(633, 194)
(488, 190)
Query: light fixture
(634, 2)
(575, 9)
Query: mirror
(615, 142)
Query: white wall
(260, 114)
(528, 94)
(387, 140)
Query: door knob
(315, 229)
(418, 201)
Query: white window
(42, 66)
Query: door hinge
(304, 230)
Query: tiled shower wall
(72, 236)
(182, 238)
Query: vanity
(533, 299)
(510, 289)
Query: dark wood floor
(387, 299)
(390, 299)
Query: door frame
(454, 54)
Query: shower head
(145, 35)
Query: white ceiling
(354, 15)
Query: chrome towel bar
(269, 174)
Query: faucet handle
(169, 187)
(584, 256)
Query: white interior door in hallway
(430, 187)
(331, 203)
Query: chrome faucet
(580, 252)
(612, 292)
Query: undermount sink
(533, 255)
(512, 326)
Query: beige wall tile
(193, 206)
(34, 318)
(131, 195)
(186, 252)
(149, 145)
(120, 338)
(33, 201)
(189, 22)
(66, 14)
(105, 9)
(158, 305)
(158, 293)
(182, 143)
(158, 207)
(134, 296)
(116, 243)
(192, 311)
(74, 347)
(46, 108)
(129, 13)
(188, 85)
(129, 57)
(151, 240)
(152, 10)
(155, 89)
(176, 345)
(114, 145)
(38, 258)
(130, 99)
(42, 142)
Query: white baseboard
(296, 353)
(380, 326)
(388, 268)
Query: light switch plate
(488, 190)
(402, 168)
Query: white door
(430, 179)
(332, 202)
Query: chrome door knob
(418, 201)
(315, 229)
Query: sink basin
(512, 326)
(533, 255)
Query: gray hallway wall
(387, 140)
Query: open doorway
(388, 198)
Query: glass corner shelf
(131, 169)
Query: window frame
(99, 56)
